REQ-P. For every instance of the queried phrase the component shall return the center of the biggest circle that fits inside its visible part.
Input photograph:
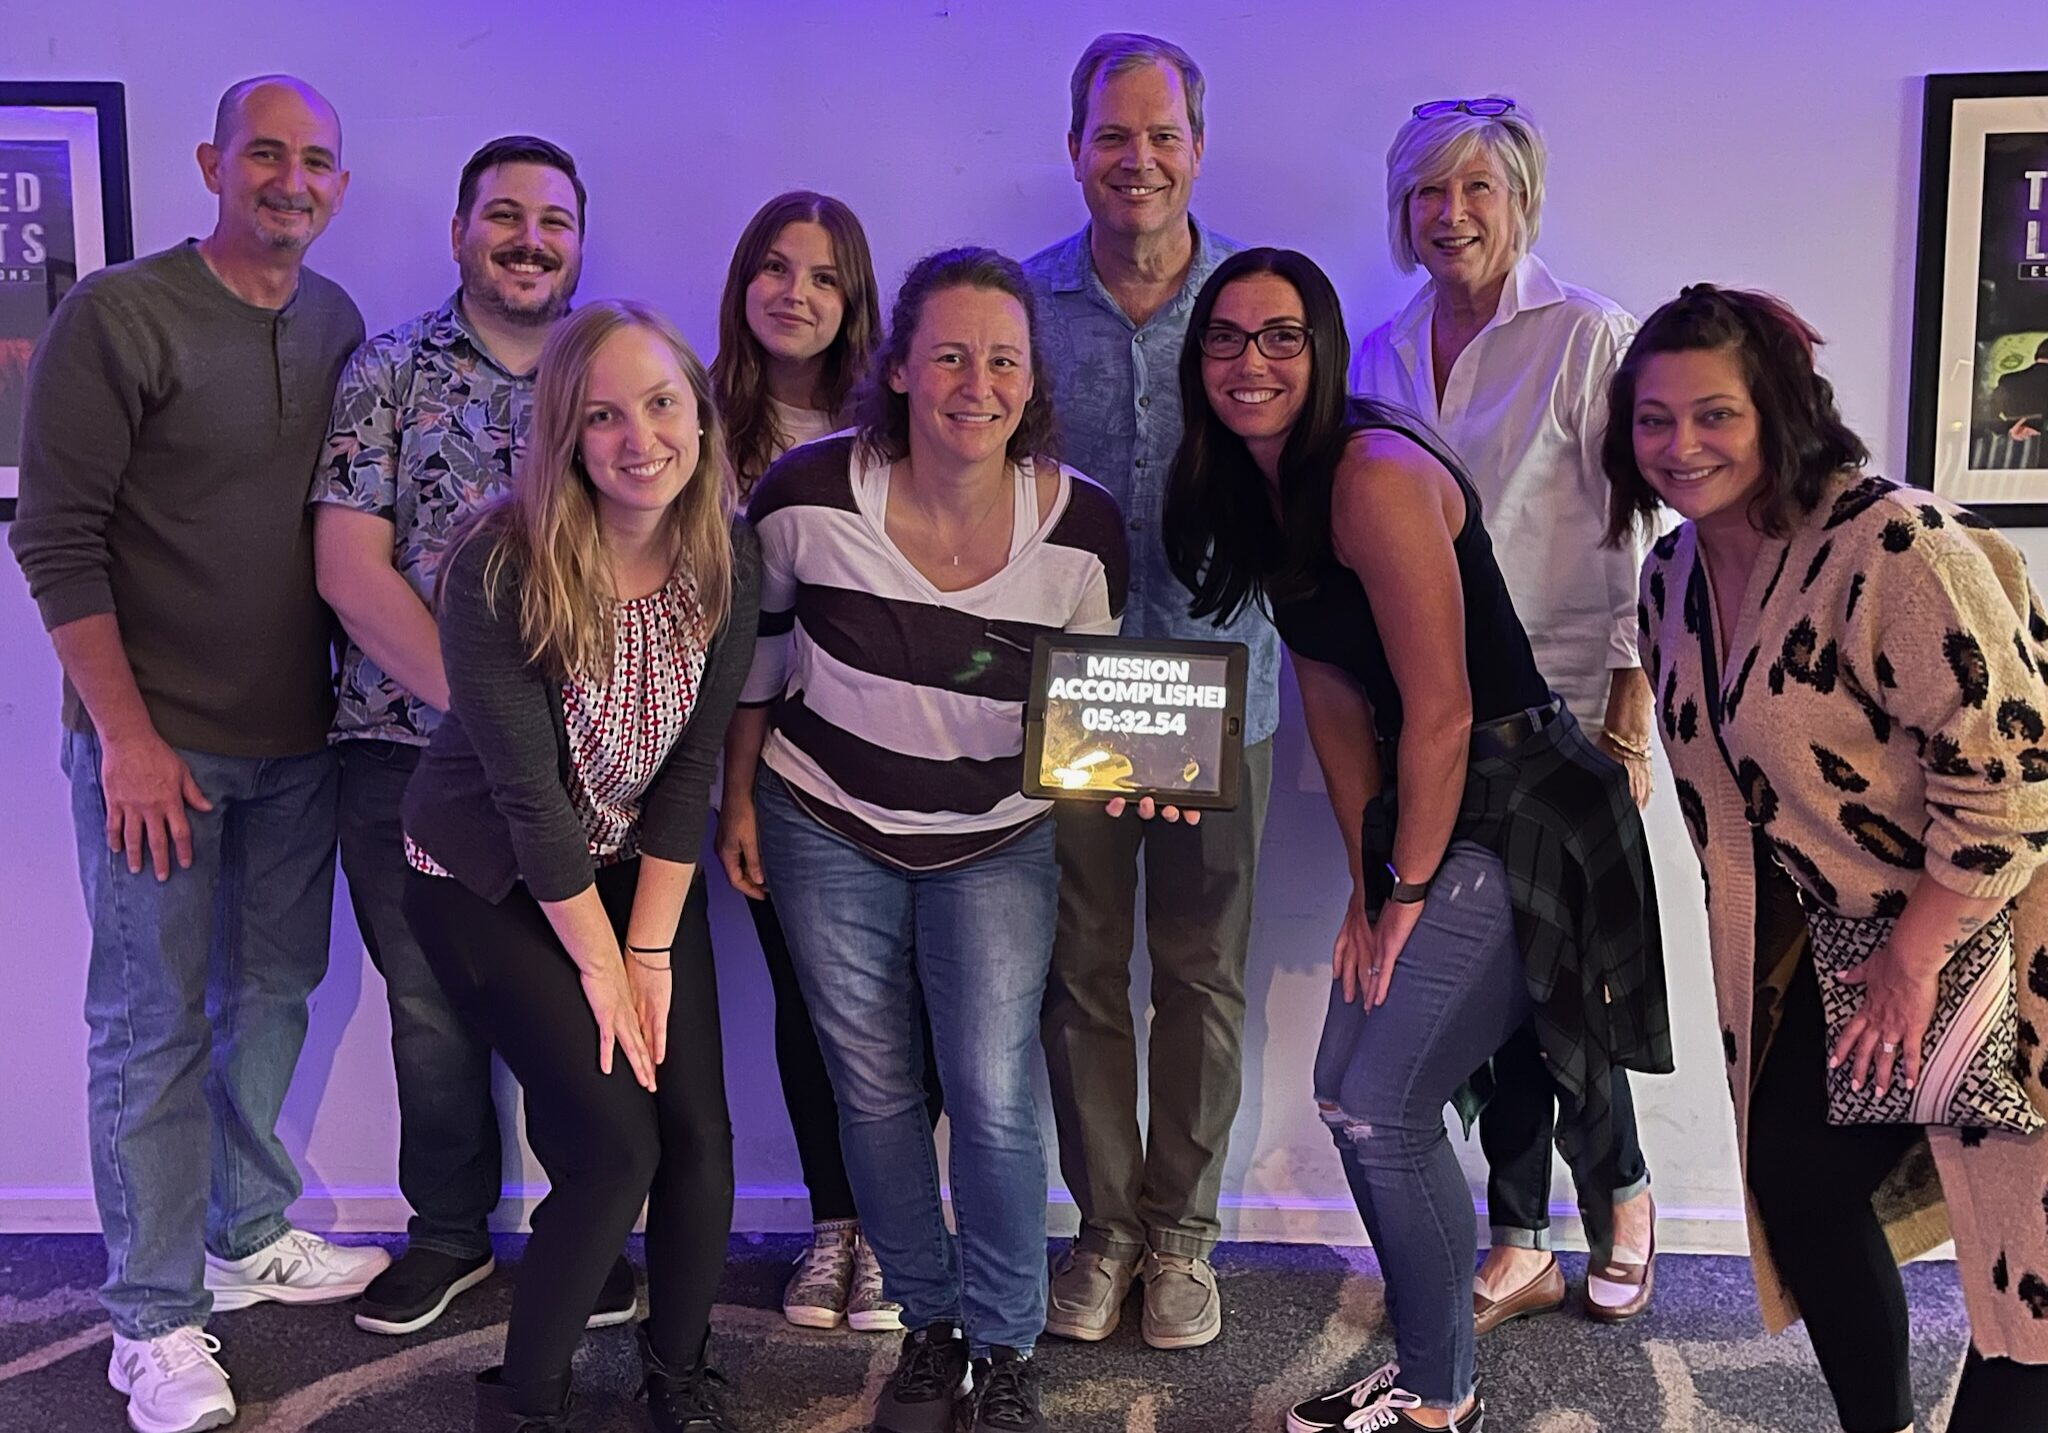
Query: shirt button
(1141, 462)
(1139, 339)
(1144, 401)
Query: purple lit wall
(1756, 143)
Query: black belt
(1489, 738)
(1504, 734)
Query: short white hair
(1427, 151)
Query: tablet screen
(1123, 717)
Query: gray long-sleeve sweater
(169, 441)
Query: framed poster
(63, 213)
(1978, 426)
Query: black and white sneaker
(932, 1375)
(1329, 1410)
(618, 1300)
(417, 1289)
(1006, 1393)
(1386, 1414)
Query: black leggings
(807, 1088)
(1812, 1182)
(607, 1144)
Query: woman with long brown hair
(796, 326)
(596, 625)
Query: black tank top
(1336, 624)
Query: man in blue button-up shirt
(1114, 302)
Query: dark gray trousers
(1159, 1188)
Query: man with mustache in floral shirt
(428, 423)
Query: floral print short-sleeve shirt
(427, 427)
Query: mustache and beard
(481, 274)
(287, 239)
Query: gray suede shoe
(1182, 1307)
(1087, 1295)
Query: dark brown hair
(1800, 432)
(883, 414)
(517, 149)
(739, 373)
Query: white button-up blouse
(1524, 410)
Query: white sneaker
(172, 1382)
(294, 1268)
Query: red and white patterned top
(622, 726)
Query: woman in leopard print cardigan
(1872, 657)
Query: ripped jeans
(1382, 1081)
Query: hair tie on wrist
(651, 949)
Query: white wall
(1765, 144)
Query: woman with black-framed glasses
(1511, 367)
(1511, 885)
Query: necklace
(973, 532)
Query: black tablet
(1124, 716)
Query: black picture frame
(28, 109)
(1953, 443)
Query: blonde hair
(547, 527)
(1425, 151)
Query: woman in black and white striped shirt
(906, 570)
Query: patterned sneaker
(172, 1382)
(1329, 1410)
(868, 1309)
(294, 1268)
(817, 1293)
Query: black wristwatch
(1406, 892)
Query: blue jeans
(448, 1147)
(195, 1001)
(1382, 1080)
(863, 935)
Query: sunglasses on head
(1490, 107)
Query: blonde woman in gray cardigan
(1850, 688)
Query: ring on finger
(1890, 1047)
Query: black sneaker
(931, 1377)
(1326, 1411)
(1385, 1414)
(618, 1300)
(417, 1289)
(1006, 1393)
(693, 1399)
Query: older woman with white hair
(1511, 368)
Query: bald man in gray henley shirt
(177, 406)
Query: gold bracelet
(1639, 750)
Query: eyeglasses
(1491, 107)
(1275, 340)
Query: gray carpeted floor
(1298, 1318)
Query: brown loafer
(1608, 1286)
(1541, 1295)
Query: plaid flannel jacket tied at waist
(1557, 812)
